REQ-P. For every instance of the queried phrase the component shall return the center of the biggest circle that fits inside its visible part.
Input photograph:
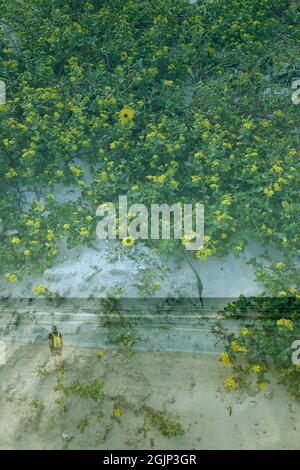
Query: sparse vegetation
(162, 422)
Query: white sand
(188, 387)
(84, 272)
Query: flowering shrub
(264, 344)
(164, 101)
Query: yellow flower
(66, 226)
(117, 412)
(199, 155)
(278, 265)
(75, 170)
(50, 197)
(277, 187)
(39, 208)
(113, 145)
(11, 277)
(223, 235)
(282, 293)
(37, 224)
(269, 192)
(157, 179)
(285, 323)
(7, 142)
(15, 241)
(26, 252)
(196, 178)
(187, 239)
(84, 232)
(168, 82)
(225, 359)
(126, 115)
(11, 173)
(256, 368)
(245, 331)
(238, 347)
(128, 242)
(39, 289)
(262, 385)
(203, 253)
(247, 125)
(277, 168)
(50, 235)
(100, 354)
(230, 383)
(226, 200)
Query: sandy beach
(180, 387)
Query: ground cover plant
(263, 345)
(164, 101)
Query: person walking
(56, 345)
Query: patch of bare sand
(187, 388)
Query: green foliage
(209, 118)
(37, 405)
(120, 327)
(264, 343)
(161, 421)
(41, 370)
(93, 390)
(83, 424)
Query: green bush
(263, 344)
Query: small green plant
(122, 338)
(42, 291)
(92, 390)
(42, 371)
(161, 421)
(35, 415)
(99, 416)
(82, 425)
(144, 429)
(37, 405)
(61, 402)
(63, 367)
(150, 281)
(112, 315)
